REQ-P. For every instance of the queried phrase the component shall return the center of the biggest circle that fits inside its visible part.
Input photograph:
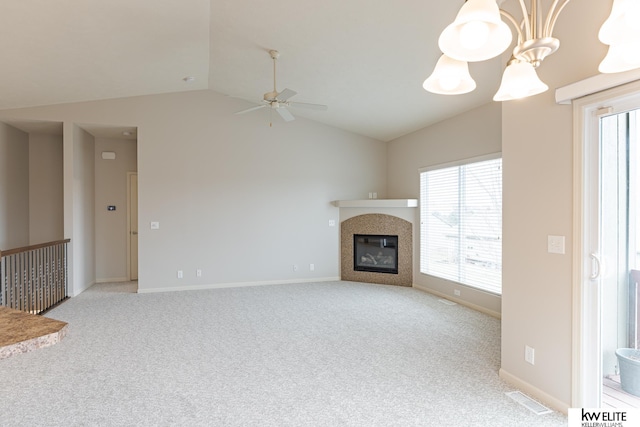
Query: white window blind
(461, 223)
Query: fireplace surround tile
(380, 224)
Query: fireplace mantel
(377, 203)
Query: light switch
(555, 244)
(155, 225)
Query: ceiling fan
(279, 101)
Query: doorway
(607, 192)
(618, 246)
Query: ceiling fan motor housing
(270, 96)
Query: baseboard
(236, 285)
(459, 301)
(535, 392)
(76, 292)
(113, 280)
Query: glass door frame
(586, 316)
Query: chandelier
(479, 33)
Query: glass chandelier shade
(519, 81)
(621, 31)
(621, 57)
(450, 77)
(623, 24)
(478, 33)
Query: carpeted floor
(313, 354)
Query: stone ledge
(22, 332)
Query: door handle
(595, 263)
(134, 232)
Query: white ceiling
(366, 60)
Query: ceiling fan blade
(257, 107)
(285, 114)
(286, 94)
(309, 106)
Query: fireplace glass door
(375, 253)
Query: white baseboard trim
(459, 301)
(76, 292)
(236, 285)
(535, 392)
(112, 280)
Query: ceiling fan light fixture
(280, 100)
(478, 33)
(519, 80)
(450, 77)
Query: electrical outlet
(180, 275)
(295, 267)
(456, 292)
(312, 267)
(529, 354)
(198, 273)
(332, 223)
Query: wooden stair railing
(34, 278)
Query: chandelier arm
(527, 21)
(554, 12)
(515, 24)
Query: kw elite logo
(583, 417)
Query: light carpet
(312, 354)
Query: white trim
(479, 308)
(591, 85)
(583, 362)
(236, 285)
(130, 174)
(113, 280)
(75, 292)
(490, 156)
(535, 392)
(376, 203)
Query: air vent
(529, 403)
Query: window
(461, 223)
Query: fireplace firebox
(375, 253)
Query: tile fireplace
(377, 248)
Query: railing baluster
(34, 279)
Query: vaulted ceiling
(365, 59)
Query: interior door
(133, 226)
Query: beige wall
(537, 160)
(234, 197)
(111, 189)
(472, 134)
(14, 187)
(46, 214)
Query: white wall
(239, 199)
(14, 187)
(472, 134)
(46, 214)
(82, 229)
(111, 189)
